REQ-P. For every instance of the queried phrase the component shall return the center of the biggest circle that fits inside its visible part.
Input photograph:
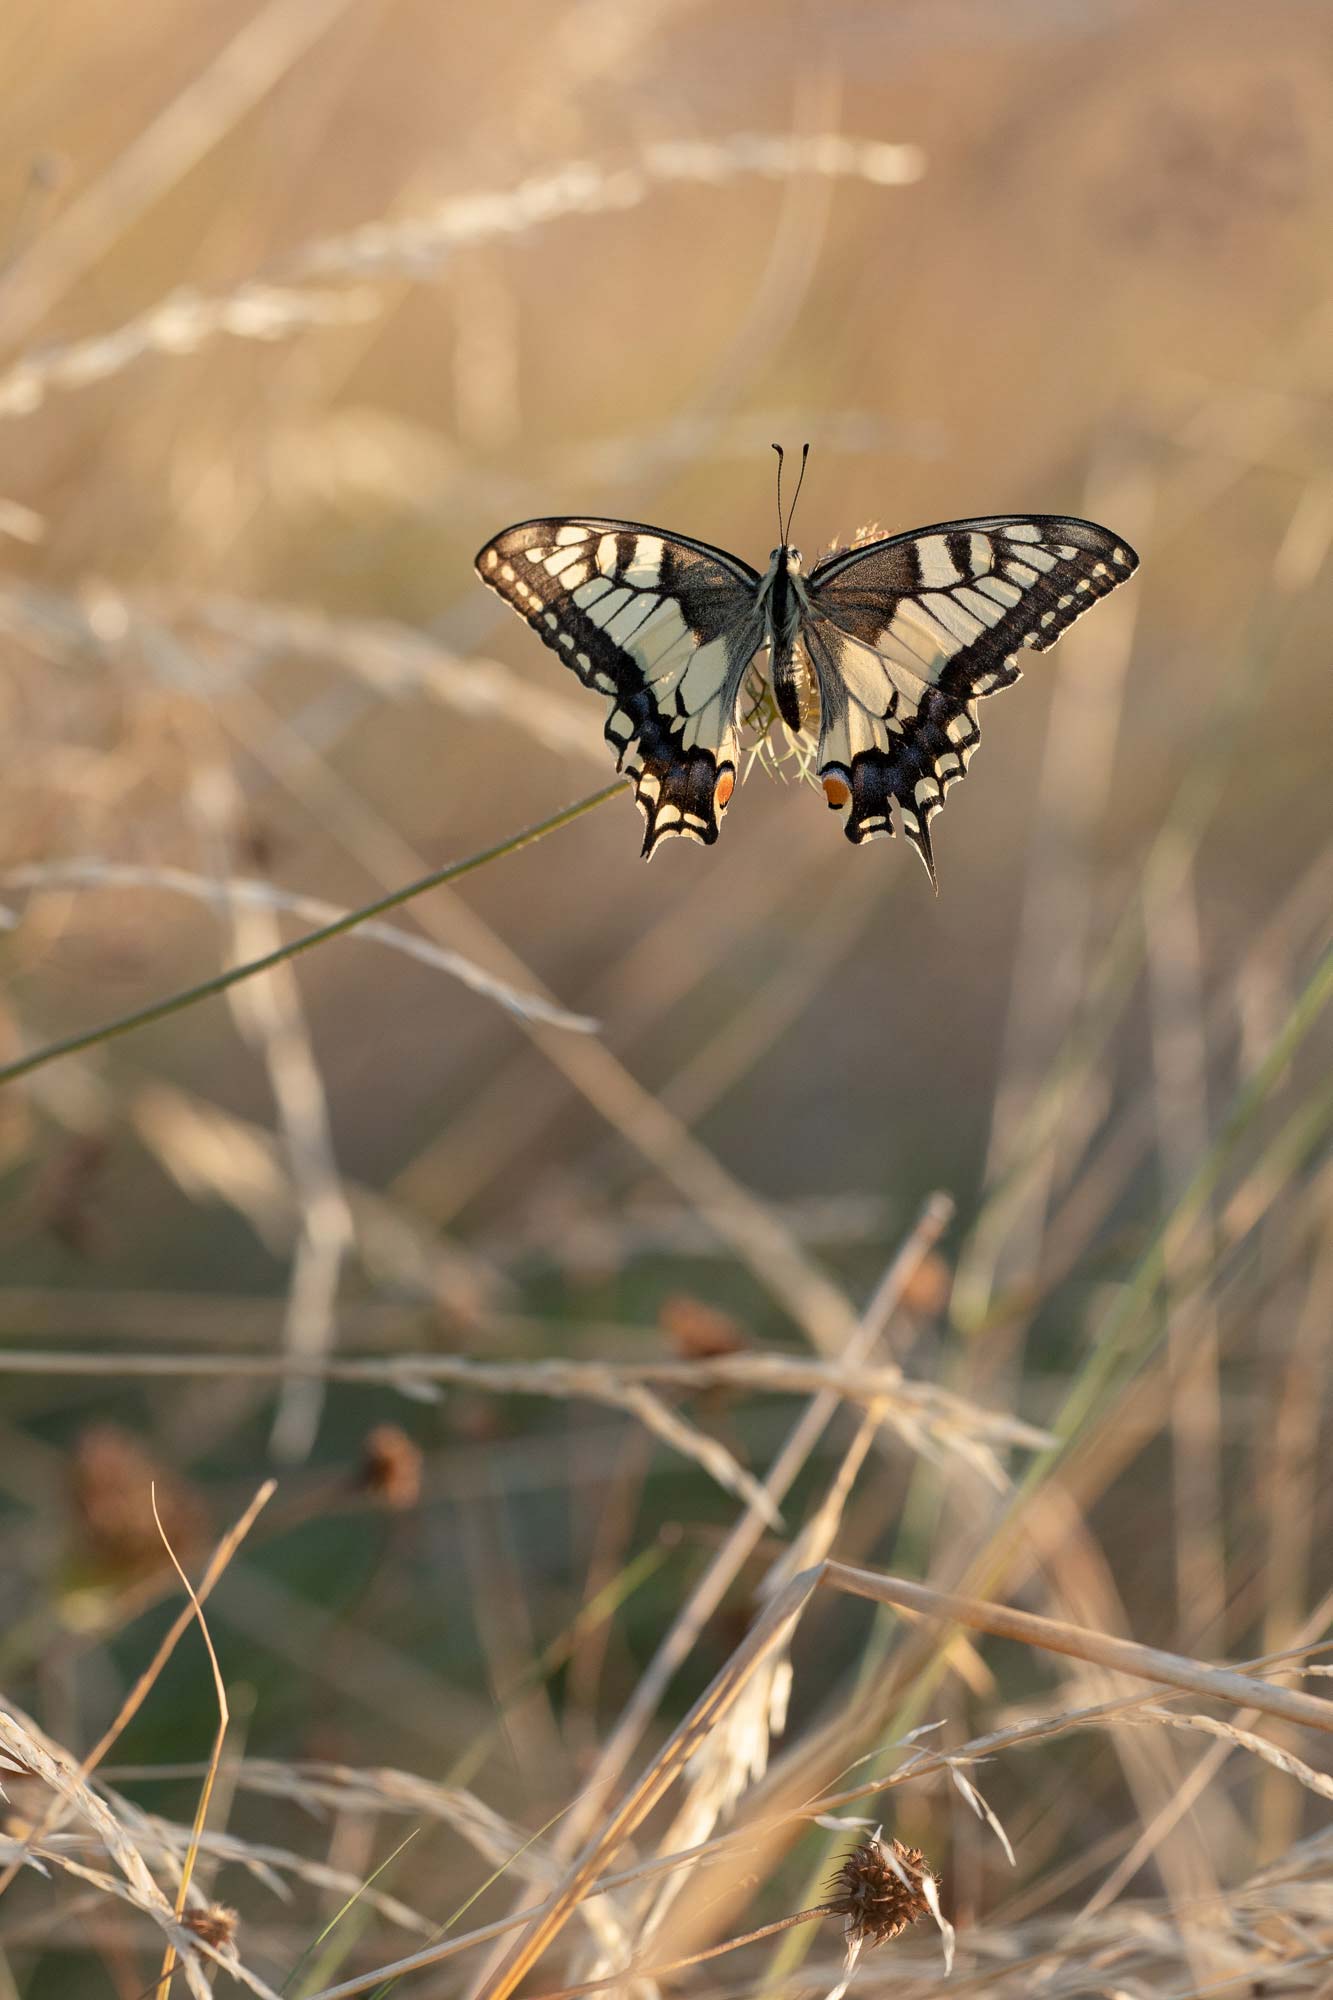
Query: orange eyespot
(836, 792)
(726, 785)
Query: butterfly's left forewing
(664, 628)
(906, 635)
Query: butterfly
(884, 649)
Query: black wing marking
(664, 627)
(906, 635)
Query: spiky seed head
(699, 1331)
(112, 1482)
(216, 1925)
(391, 1468)
(873, 1899)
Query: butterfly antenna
(778, 449)
(805, 454)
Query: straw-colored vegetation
(749, 1358)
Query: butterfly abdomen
(783, 612)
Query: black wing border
(837, 560)
(607, 524)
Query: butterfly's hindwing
(905, 636)
(664, 628)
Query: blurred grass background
(301, 302)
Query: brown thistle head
(877, 1900)
(390, 1471)
(215, 1926)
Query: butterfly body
(898, 639)
(786, 607)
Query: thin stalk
(158, 1010)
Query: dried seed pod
(875, 1899)
(390, 1468)
(112, 1479)
(215, 1926)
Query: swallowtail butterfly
(884, 649)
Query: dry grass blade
(740, 1544)
(208, 988)
(181, 324)
(210, 1776)
(1101, 1649)
(216, 1567)
(71, 1795)
(769, 1631)
(417, 247)
(93, 873)
(1243, 1739)
(948, 1423)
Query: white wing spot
(1100, 569)
(576, 574)
(704, 676)
(658, 637)
(913, 621)
(865, 678)
(1119, 556)
(1066, 600)
(1003, 593)
(536, 555)
(1048, 618)
(645, 570)
(1083, 584)
(1020, 573)
(605, 609)
(954, 617)
(1023, 531)
(491, 558)
(937, 565)
(628, 619)
(571, 533)
(608, 555)
(984, 608)
(566, 638)
(980, 554)
(552, 620)
(507, 571)
(1067, 551)
(1030, 638)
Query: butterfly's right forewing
(664, 628)
(907, 634)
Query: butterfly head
(786, 558)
